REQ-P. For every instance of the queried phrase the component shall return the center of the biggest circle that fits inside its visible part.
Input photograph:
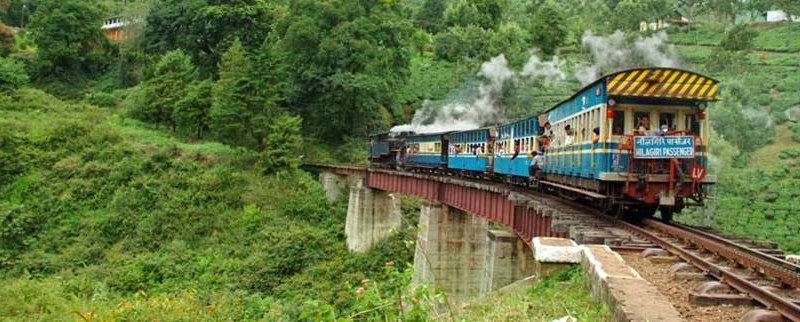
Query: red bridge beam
(489, 201)
(493, 202)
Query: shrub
(796, 132)
(101, 99)
(12, 75)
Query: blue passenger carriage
(470, 150)
(425, 151)
(513, 147)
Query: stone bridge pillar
(371, 215)
(508, 259)
(333, 184)
(450, 250)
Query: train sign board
(663, 147)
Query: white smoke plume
(609, 53)
(550, 71)
(614, 52)
(485, 109)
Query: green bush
(12, 75)
(101, 99)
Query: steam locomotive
(632, 143)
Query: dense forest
(157, 176)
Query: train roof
(653, 83)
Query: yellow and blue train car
(635, 141)
(637, 136)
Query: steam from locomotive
(609, 53)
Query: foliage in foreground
(106, 215)
(567, 292)
(765, 208)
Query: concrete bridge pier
(332, 184)
(372, 215)
(508, 260)
(450, 251)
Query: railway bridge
(456, 248)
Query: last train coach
(636, 140)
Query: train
(632, 143)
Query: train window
(667, 119)
(692, 124)
(618, 124)
(641, 122)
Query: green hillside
(157, 177)
(102, 214)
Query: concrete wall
(450, 251)
(372, 215)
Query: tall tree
(191, 113)
(204, 28)
(169, 84)
(549, 27)
(284, 143)
(431, 16)
(67, 37)
(237, 114)
(271, 75)
(632, 12)
(350, 58)
(483, 13)
(17, 12)
(724, 8)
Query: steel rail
(771, 300)
(772, 266)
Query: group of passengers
(474, 149)
(643, 127)
(546, 136)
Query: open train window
(667, 119)
(641, 122)
(692, 124)
(618, 125)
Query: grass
(778, 37)
(147, 137)
(567, 292)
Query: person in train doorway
(535, 169)
(543, 130)
(516, 149)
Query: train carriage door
(692, 124)
(443, 148)
(491, 135)
(618, 122)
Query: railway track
(768, 280)
(753, 268)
